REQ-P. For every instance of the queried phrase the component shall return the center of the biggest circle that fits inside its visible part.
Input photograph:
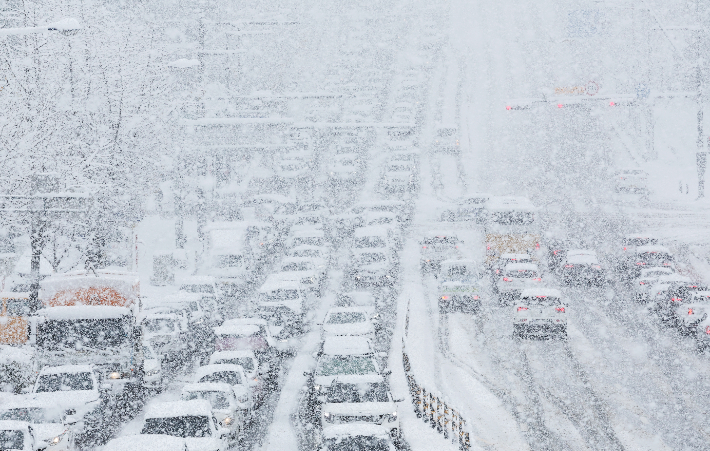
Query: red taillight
(624, 248)
(475, 297)
(423, 247)
(611, 104)
(522, 308)
(506, 279)
(642, 283)
(640, 263)
(690, 311)
(559, 105)
(707, 330)
(445, 298)
(488, 248)
(666, 264)
(560, 309)
(569, 266)
(537, 245)
(676, 299)
(497, 271)
(554, 252)
(537, 280)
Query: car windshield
(11, 439)
(185, 426)
(346, 318)
(33, 415)
(159, 325)
(654, 258)
(370, 242)
(18, 307)
(441, 242)
(228, 377)
(218, 400)
(357, 443)
(198, 287)
(297, 266)
(86, 333)
(227, 261)
(308, 241)
(306, 253)
(245, 362)
(639, 241)
(367, 258)
(540, 301)
(64, 382)
(345, 365)
(513, 217)
(367, 392)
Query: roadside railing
(435, 411)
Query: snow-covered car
(191, 420)
(458, 270)
(73, 388)
(256, 372)
(223, 401)
(17, 436)
(446, 139)
(469, 208)
(46, 419)
(228, 374)
(514, 278)
(356, 298)
(540, 311)
(372, 238)
(163, 332)
(350, 321)
(345, 169)
(649, 257)
(319, 255)
(505, 259)
(153, 377)
(582, 267)
(252, 334)
(347, 360)
(152, 442)
(672, 291)
(437, 247)
(371, 267)
(399, 177)
(356, 437)
(388, 221)
(690, 314)
(312, 277)
(647, 279)
(631, 180)
(282, 297)
(360, 404)
(457, 295)
(702, 334)
(307, 237)
(293, 168)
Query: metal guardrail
(433, 410)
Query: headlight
(114, 375)
(316, 387)
(56, 440)
(227, 421)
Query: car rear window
(541, 301)
(522, 274)
(346, 318)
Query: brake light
(537, 280)
(642, 283)
(507, 279)
(488, 248)
(423, 247)
(497, 271)
(569, 266)
(537, 245)
(640, 263)
(445, 298)
(554, 252)
(475, 297)
(624, 248)
(707, 330)
(560, 309)
(690, 311)
(676, 299)
(522, 308)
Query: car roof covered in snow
(197, 280)
(515, 256)
(223, 241)
(582, 258)
(354, 309)
(170, 409)
(152, 442)
(14, 425)
(370, 231)
(217, 367)
(542, 291)
(521, 267)
(510, 203)
(240, 330)
(346, 345)
(281, 280)
(308, 233)
(64, 313)
(242, 321)
(659, 270)
(240, 354)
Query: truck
(90, 318)
(510, 225)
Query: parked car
(191, 420)
(223, 401)
(350, 321)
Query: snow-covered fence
(432, 409)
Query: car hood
(47, 431)
(68, 399)
(360, 408)
(203, 444)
